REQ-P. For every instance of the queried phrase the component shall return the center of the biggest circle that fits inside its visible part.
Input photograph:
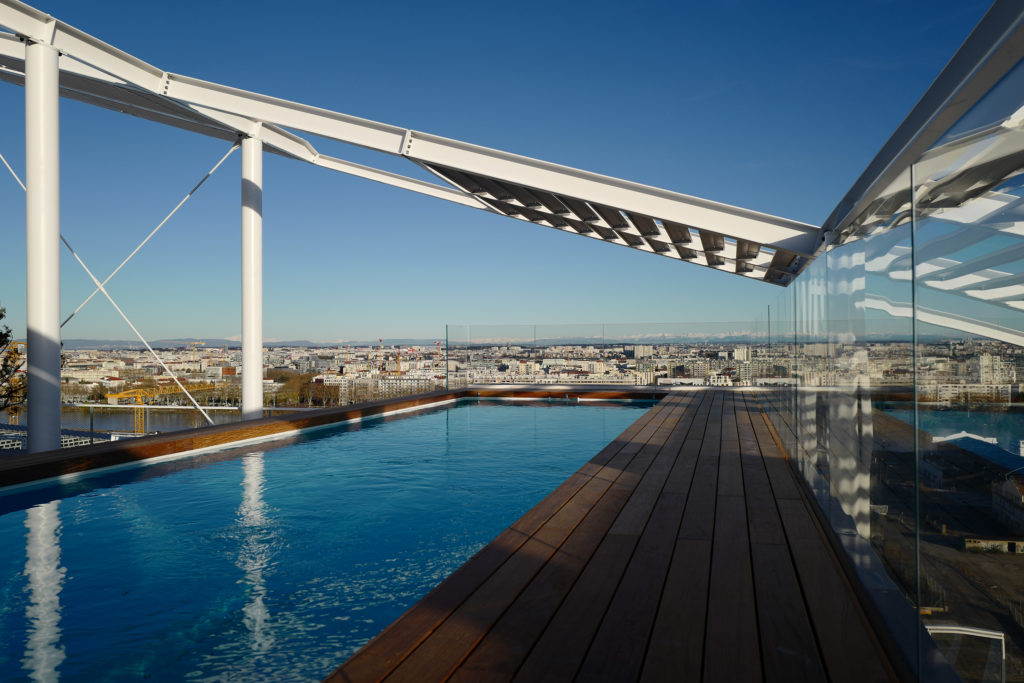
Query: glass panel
(782, 342)
(969, 258)
(676, 354)
(843, 343)
(120, 393)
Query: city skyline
(348, 259)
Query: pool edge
(34, 469)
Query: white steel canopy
(707, 233)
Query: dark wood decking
(684, 551)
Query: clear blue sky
(777, 109)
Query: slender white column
(252, 278)
(42, 228)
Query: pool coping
(31, 469)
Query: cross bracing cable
(155, 230)
(100, 288)
(100, 285)
(12, 172)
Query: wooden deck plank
(504, 647)
(699, 515)
(730, 476)
(730, 473)
(784, 483)
(619, 647)
(453, 639)
(788, 648)
(620, 644)
(762, 514)
(562, 646)
(763, 520)
(849, 649)
(732, 651)
(731, 647)
(676, 648)
(557, 654)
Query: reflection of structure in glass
(255, 554)
(968, 255)
(909, 326)
(995, 662)
(43, 651)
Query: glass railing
(102, 401)
(690, 353)
(905, 406)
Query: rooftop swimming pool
(275, 562)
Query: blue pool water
(272, 564)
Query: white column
(42, 228)
(252, 278)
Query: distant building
(745, 373)
(965, 393)
(718, 380)
(640, 350)
(699, 368)
(989, 369)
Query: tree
(12, 385)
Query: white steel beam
(329, 124)
(42, 248)
(216, 102)
(87, 84)
(39, 27)
(400, 181)
(252, 278)
(799, 238)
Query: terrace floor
(686, 550)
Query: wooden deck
(684, 551)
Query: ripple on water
(277, 565)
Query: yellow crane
(16, 354)
(140, 395)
